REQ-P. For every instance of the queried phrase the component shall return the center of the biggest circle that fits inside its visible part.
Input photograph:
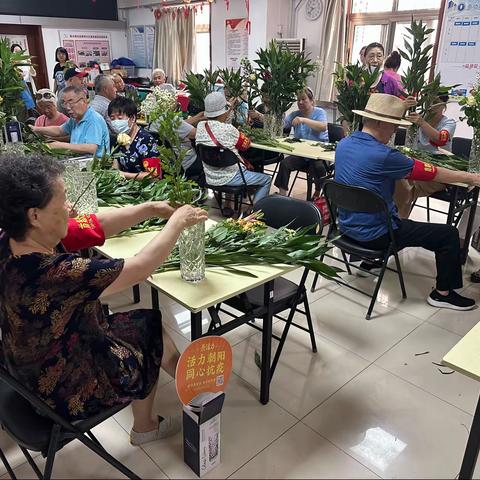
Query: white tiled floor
(365, 406)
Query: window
(384, 21)
(202, 29)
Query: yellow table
(304, 148)
(217, 286)
(464, 357)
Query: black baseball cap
(74, 72)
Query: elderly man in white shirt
(105, 92)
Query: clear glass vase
(474, 160)
(191, 249)
(411, 139)
(81, 189)
(273, 125)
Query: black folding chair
(34, 426)
(400, 136)
(461, 146)
(335, 132)
(279, 211)
(219, 157)
(360, 200)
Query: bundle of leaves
(199, 86)
(260, 136)
(11, 79)
(452, 162)
(353, 84)
(232, 81)
(232, 244)
(35, 144)
(283, 73)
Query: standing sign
(236, 41)
(83, 47)
(459, 52)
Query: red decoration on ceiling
(249, 23)
(157, 13)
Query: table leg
(471, 450)
(266, 343)
(136, 293)
(155, 301)
(196, 325)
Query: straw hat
(385, 108)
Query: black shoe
(367, 268)
(228, 212)
(475, 277)
(453, 300)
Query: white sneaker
(167, 427)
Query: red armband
(153, 166)
(443, 139)
(84, 231)
(243, 142)
(422, 171)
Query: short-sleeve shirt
(143, 146)
(90, 129)
(58, 75)
(183, 131)
(445, 123)
(227, 135)
(362, 161)
(304, 131)
(58, 121)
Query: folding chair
(221, 157)
(35, 426)
(279, 211)
(360, 200)
(335, 132)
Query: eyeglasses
(73, 102)
(44, 95)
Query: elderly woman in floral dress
(55, 338)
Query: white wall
(51, 39)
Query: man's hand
(254, 114)
(410, 102)
(415, 118)
(162, 209)
(58, 145)
(474, 179)
(297, 121)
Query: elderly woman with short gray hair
(55, 338)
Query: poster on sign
(236, 41)
(83, 47)
(458, 58)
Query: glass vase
(81, 189)
(474, 159)
(411, 139)
(273, 125)
(191, 249)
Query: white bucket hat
(385, 108)
(215, 104)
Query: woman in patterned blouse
(140, 157)
(55, 338)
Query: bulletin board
(142, 38)
(458, 57)
(236, 41)
(20, 39)
(83, 47)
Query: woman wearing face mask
(139, 158)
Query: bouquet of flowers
(250, 82)
(158, 101)
(471, 106)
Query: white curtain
(175, 36)
(332, 47)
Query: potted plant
(470, 106)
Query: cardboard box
(201, 432)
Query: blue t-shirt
(90, 129)
(304, 131)
(362, 161)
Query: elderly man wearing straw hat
(363, 159)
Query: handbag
(242, 160)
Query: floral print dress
(132, 156)
(57, 341)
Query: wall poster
(236, 41)
(83, 47)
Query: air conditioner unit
(295, 45)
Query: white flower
(253, 77)
(123, 139)
(471, 101)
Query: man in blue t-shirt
(309, 123)
(87, 129)
(364, 160)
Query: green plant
(232, 80)
(353, 84)
(11, 80)
(199, 86)
(250, 82)
(470, 106)
(283, 74)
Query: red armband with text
(84, 231)
(243, 142)
(153, 166)
(422, 171)
(443, 139)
